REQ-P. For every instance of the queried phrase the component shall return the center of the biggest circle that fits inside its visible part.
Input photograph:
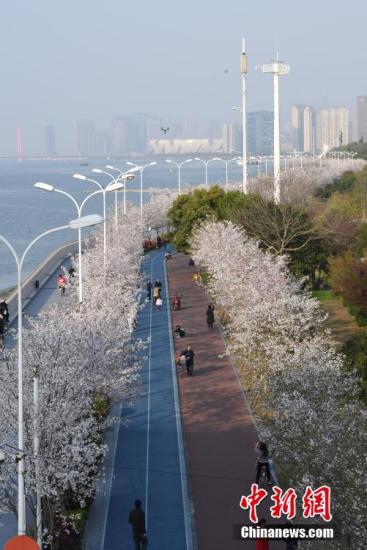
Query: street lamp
(141, 168)
(206, 162)
(73, 224)
(103, 190)
(179, 164)
(244, 115)
(99, 171)
(79, 208)
(226, 162)
(276, 68)
(125, 176)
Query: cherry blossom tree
(306, 405)
(77, 355)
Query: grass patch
(323, 295)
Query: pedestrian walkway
(146, 458)
(219, 430)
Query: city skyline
(170, 61)
(132, 133)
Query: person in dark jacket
(189, 354)
(2, 329)
(158, 284)
(179, 331)
(262, 460)
(4, 310)
(137, 520)
(210, 316)
(149, 290)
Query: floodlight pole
(276, 68)
(244, 116)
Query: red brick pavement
(218, 427)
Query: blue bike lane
(146, 458)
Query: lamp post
(103, 191)
(179, 164)
(19, 261)
(99, 171)
(79, 209)
(276, 68)
(141, 168)
(206, 162)
(244, 115)
(226, 162)
(124, 176)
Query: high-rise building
(232, 138)
(50, 140)
(103, 142)
(362, 117)
(303, 128)
(137, 132)
(214, 129)
(297, 127)
(119, 139)
(260, 133)
(85, 138)
(332, 128)
(309, 130)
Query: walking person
(156, 293)
(71, 272)
(210, 316)
(4, 310)
(159, 303)
(61, 283)
(2, 330)
(137, 521)
(149, 290)
(262, 460)
(189, 354)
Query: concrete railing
(38, 278)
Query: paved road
(220, 431)
(48, 294)
(146, 457)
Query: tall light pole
(103, 191)
(226, 162)
(206, 163)
(244, 116)
(79, 208)
(276, 68)
(141, 168)
(99, 171)
(179, 164)
(124, 176)
(73, 224)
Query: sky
(179, 59)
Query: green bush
(361, 317)
(355, 351)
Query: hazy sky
(94, 59)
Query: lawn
(341, 322)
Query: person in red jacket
(262, 544)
